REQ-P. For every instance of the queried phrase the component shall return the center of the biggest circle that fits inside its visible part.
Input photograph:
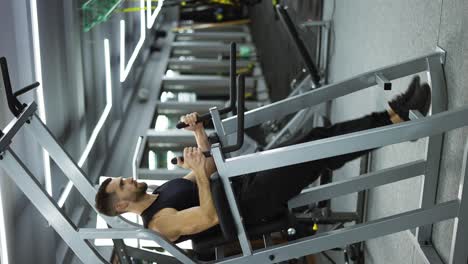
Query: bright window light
(186, 97)
(135, 157)
(3, 240)
(125, 68)
(99, 125)
(162, 123)
(167, 96)
(170, 156)
(153, 15)
(171, 73)
(39, 90)
(152, 160)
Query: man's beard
(141, 191)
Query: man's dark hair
(105, 201)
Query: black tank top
(179, 194)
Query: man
(184, 207)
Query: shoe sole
(426, 107)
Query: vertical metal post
(48, 208)
(434, 147)
(223, 173)
(218, 126)
(326, 38)
(458, 252)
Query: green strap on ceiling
(97, 11)
(244, 51)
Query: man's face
(127, 189)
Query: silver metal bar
(205, 65)
(170, 137)
(350, 235)
(303, 86)
(139, 148)
(204, 91)
(181, 108)
(218, 126)
(228, 37)
(196, 83)
(45, 138)
(435, 143)
(199, 106)
(349, 143)
(224, 28)
(161, 174)
(289, 129)
(415, 114)
(293, 104)
(458, 252)
(210, 48)
(383, 82)
(326, 39)
(146, 234)
(362, 182)
(12, 128)
(431, 254)
(241, 233)
(427, 253)
(321, 23)
(29, 185)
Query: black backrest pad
(226, 220)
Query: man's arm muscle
(172, 223)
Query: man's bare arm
(173, 224)
(204, 145)
(204, 193)
(201, 138)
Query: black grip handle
(26, 89)
(174, 160)
(240, 116)
(201, 118)
(15, 106)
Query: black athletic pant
(264, 194)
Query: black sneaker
(398, 103)
(420, 99)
